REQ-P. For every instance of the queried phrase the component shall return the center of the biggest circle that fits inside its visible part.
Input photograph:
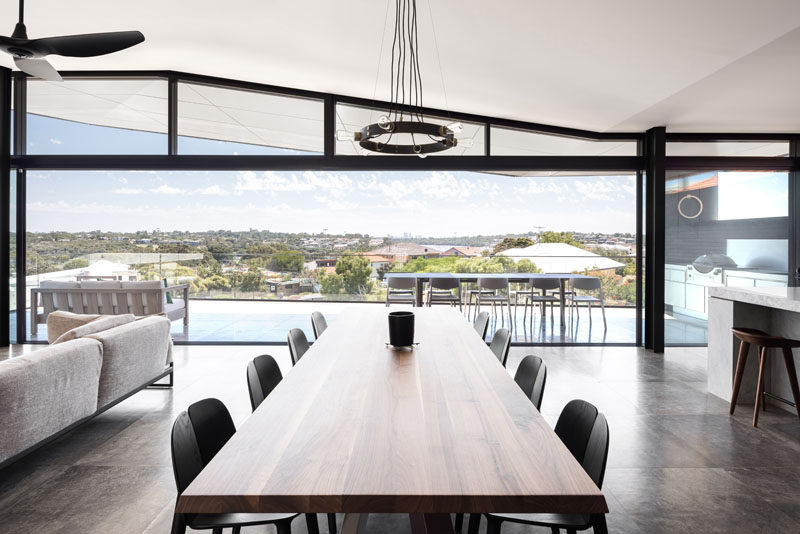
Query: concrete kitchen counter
(775, 310)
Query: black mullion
(5, 199)
(172, 115)
(372, 163)
(639, 250)
(794, 214)
(20, 148)
(656, 180)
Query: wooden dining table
(358, 427)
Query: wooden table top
(356, 426)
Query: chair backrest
(545, 283)
(531, 377)
(481, 323)
(263, 374)
(400, 283)
(298, 344)
(586, 284)
(445, 283)
(318, 323)
(584, 431)
(500, 343)
(197, 436)
(493, 283)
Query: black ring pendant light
(406, 84)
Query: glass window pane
(218, 120)
(729, 148)
(351, 119)
(254, 245)
(723, 228)
(92, 116)
(512, 142)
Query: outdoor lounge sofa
(108, 297)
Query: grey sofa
(50, 391)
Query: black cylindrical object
(401, 328)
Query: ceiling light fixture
(404, 119)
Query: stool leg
(760, 389)
(790, 369)
(737, 381)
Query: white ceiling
(611, 65)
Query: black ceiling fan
(29, 53)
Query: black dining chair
(198, 434)
(531, 376)
(500, 343)
(318, 323)
(298, 344)
(481, 324)
(584, 431)
(263, 375)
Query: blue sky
(437, 204)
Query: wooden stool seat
(764, 341)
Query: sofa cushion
(60, 321)
(133, 354)
(46, 391)
(98, 325)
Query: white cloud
(165, 189)
(55, 141)
(128, 191)
(214, 190)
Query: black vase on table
(401, 328)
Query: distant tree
(252, 280)
(289, 261)
(331, 283)
(559, 237)
(220, 250)
(512, 242)
(527, 266)
(383, 269)
(355, 271)
(216, 282)
(75, 263)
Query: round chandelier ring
(444, 137)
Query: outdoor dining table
(357, 427)
(511, 277)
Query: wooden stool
(764, 341)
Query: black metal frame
(5, 194)
(651, 158)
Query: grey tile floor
(678, 462)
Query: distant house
(466, 252)
(327, 265)
(402, 252)
(376, 261)
(562, 258)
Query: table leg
(431, 523)
(563, 298)
(354, 523)
(419, 292)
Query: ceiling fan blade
(39, 68)
(86, 45)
